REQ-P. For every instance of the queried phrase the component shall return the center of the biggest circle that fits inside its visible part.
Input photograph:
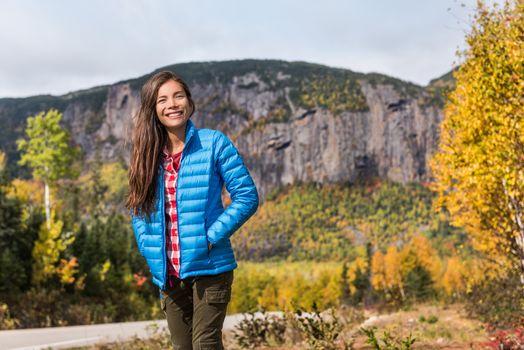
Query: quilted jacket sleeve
(239, 184)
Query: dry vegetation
(433, 327)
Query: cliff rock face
(108, 128)
(393, 140)
(292, 122)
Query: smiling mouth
(177, 114)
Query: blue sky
(57, 46)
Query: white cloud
(57, 46)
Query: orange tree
(479, 167)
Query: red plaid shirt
(171, 166)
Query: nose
(172, 103)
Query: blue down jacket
(209, 160)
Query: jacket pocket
(207, 239)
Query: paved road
(66, 337)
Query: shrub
(321, 332)
(497, 301)
(259, 329)
(388, 341)
(507, 340)
(6, 321)
(431, 319)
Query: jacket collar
(190, 130)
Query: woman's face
(173, 108)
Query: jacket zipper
(164, 262)
(177, 202)
(177, 217)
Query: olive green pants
(195, 309)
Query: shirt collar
(166, 153)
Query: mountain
(292, 121)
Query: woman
(176, 177)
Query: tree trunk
(517, 217)
(402, 293)
(47, 206)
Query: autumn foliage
(479, 168)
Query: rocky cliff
(292, 121)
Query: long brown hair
(149, 137)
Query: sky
(58, 46)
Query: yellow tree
(427, 257)
(479, 168)
(393, 271)
(47, 152)
(358, 267)
(330, 288)
(47, 249)
(28, 193)
(454, 279)
(378, 273)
